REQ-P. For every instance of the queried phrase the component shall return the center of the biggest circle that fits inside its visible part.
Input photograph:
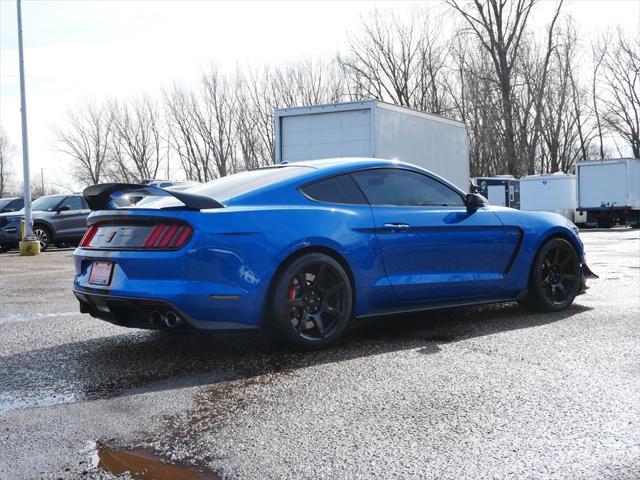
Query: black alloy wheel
(555, 277)
(312, 302)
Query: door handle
(396, 226)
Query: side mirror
(475, 201)
(63, 208)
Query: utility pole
(29, 246)
(42, 181)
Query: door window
(74, 203)
(386, 186)
(340, 189)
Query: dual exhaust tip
(169, 319)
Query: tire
(316, 290)
(43, 235)
(554, 281)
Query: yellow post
(27, 248)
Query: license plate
(101, 273)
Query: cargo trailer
(503, 190)
(551, 193)
(377, 130)
(609, 191)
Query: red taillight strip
(155, 233)
(166, 238)
(181, 238)
(88, 235)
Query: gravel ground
(487, 392)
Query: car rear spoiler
(99, 197)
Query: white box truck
(555, 192)
(609, 191)
(374, 129)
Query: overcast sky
(98, 49)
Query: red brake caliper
(293, 291)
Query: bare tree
(195, 154)
(500, 26)
(136, 145)
(217, 119)
(619, 94)
(6, 153)
(85, 140)
(401, 62)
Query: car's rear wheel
(555, 276)
(43, 235)
(311, 302)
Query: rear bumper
(211, 289)
(143, 313)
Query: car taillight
(168, 236)
(88, 235)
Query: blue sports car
(301, 249)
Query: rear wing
(104, 196)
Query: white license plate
(101, 273)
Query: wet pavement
(487, 392)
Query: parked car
(11, 204)
(299, 249)
(57, 220)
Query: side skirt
(441, 306)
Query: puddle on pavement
(146, 465)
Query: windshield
(46, 204)
(4, 202)
(225, 188)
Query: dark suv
(12, 204)
(57, 220)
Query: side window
(387, 186)
(75, 203)
(340, 189)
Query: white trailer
(377, 130)
(609, 191)
(551, 193)
(503, 190)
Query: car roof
(334, 166)
(347, 163)
(10, 198)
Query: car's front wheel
(311, 302)
(555, 276)
(43, 235)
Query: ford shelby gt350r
(301, 249)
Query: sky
(90, 49)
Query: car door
(433, 247)
(71, 223)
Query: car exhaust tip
(171, 319)
(155, 319)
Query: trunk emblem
(110, 237)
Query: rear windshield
(225, 188)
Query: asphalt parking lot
(489, 392)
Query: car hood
(20, 214)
